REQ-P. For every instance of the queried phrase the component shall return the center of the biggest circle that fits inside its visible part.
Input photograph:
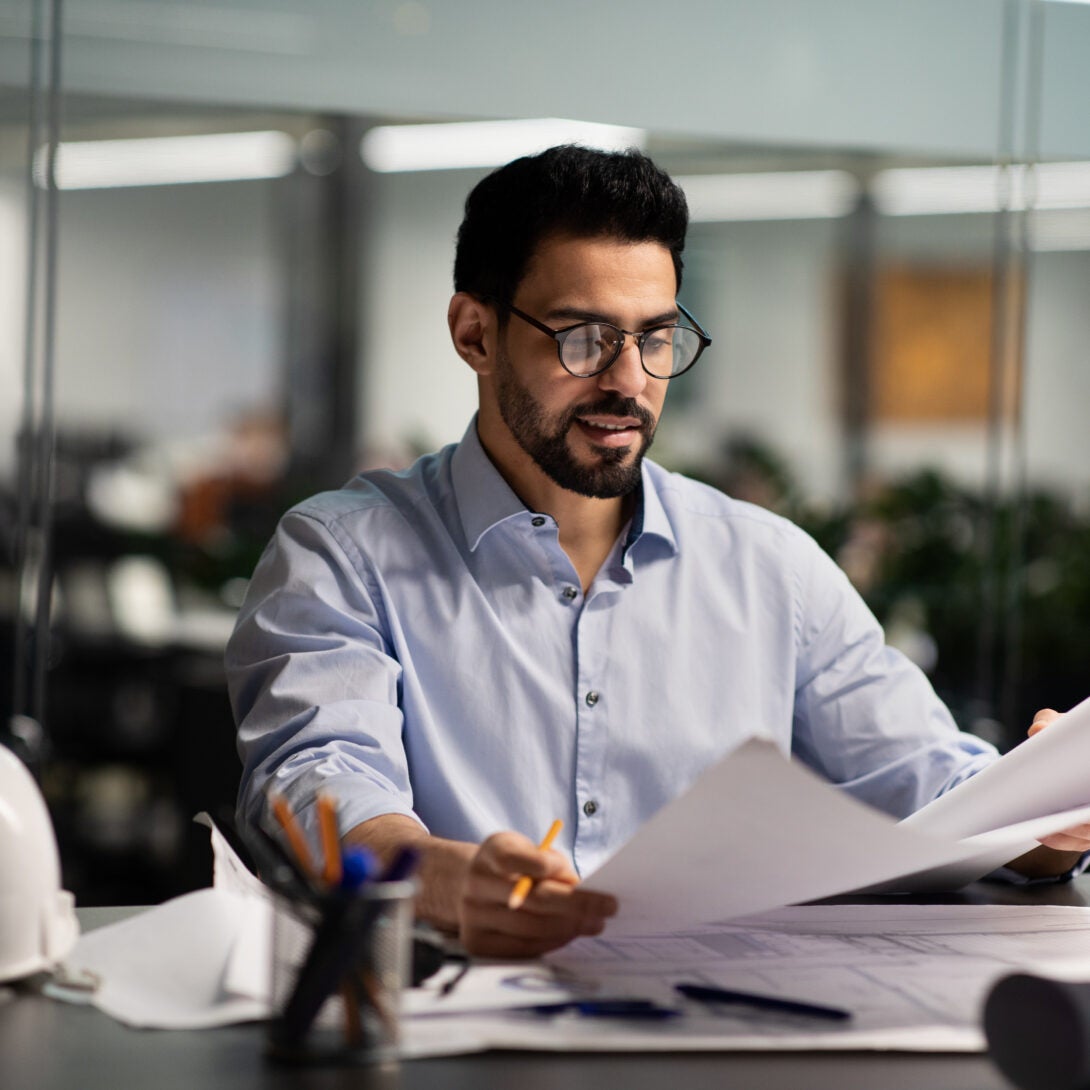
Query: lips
(610, 431)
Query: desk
(45, 1045)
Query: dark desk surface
(45, 1045)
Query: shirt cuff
(1012, 877)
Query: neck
(588, 527)
(588, 545)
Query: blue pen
(622, 1007)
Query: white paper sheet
(488, 986)
(913, 976)
(755, 832)
(166, 968)
(228, 871)
(985, 853)
(1044, 774)
(199, 960)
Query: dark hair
(567, 190)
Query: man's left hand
(1077, 838)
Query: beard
(610, 475)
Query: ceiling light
(779, 195)
(170, 160)
(945, 190)
(464, 144)
(1056, 231)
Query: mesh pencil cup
(339, 964)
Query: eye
(658, 341)
(588, 340)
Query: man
(537, 622)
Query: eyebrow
(575, 314)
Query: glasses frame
(560, 335)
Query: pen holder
(338, 966)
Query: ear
(473, 331)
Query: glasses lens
(588, 348)
(670, 350)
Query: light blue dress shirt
(418, 643)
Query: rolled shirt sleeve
(313, 683)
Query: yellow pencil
(526, 883)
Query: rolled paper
(1038, 1031)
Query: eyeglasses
(587, 349)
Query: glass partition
(240, 310)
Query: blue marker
(358, 865)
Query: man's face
(588, 435)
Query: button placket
(592, 641)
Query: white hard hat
(37, 918)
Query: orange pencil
(294, 834)
(331, 840)
(526, 883)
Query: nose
(625, 376)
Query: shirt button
(570, 593)
(590, 808)
(537, 520)
(592, 698)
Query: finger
(514, 922)
(553, 916)
(497, 944)
(549, 898)
(484, 883)
(495, 889)
(513, 855)
(1042, 719)
(556, 912)
(1070, 840)
(495, 930)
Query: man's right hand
(465, 888)
(555, 911)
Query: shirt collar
(485, 499)
(650, 519)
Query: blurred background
(226, 235)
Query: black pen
(458, 977)
(402, 865)
(706, 993)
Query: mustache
(613, 405)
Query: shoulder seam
(353, 554)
